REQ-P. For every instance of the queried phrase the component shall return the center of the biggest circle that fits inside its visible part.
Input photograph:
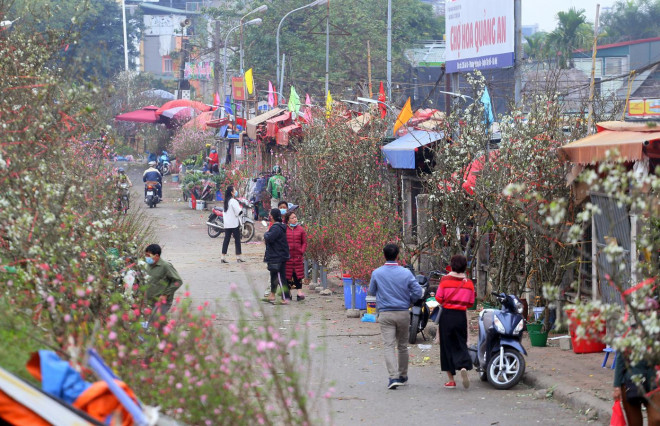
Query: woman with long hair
(277, 253)
(231, 220)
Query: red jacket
(297, 239)
(213, 158)
(453, 293)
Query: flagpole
(389, 50)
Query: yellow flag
(249, 81)
(328, 105)
(405, 115)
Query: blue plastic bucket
(360, 294)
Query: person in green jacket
(275, 186)
(162, 282)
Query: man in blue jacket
(395, 288)
(153, 175)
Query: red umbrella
(183, 103)
(144, 115)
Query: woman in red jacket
(297, 239)
(455, 294)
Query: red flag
(382, 98)
(216, 99)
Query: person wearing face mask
(276, 256)
(232, 223)
(213, 161)
(163, 281)
(297, 239)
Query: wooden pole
(593, 72)
(371, 92)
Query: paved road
(352, 361)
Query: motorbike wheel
(215, 232)
(124, 205)
(414, 329)
(166, 169)
(248, 232)
(514, 368)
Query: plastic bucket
(218, 195)
(371, 304)
(538, 338)
(360, 294)
(592, 342)
(535, 326)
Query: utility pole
(389, 49)
(327, 48)
(593, 72)
(517, 22)
(216, 62)
(371, 92)
(123, 15)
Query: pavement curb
(572, 396)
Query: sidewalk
(577, 380)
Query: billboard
(480, 34)
(644, 107)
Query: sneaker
(450, 385)
(300, 297)
(240, 260)
(464, 378)
(223, 261)
(403, 380)
(394, 383)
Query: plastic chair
(607, 351)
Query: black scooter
(420, 311)
(498, 354)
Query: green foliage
(632, 20)
(537, 47)
(572, 33)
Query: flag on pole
(488, 107)
(216, 99)
(271, 96)
(307, 115)
(228, 109)
(405, 115)
(381, 98)
(249, 81)
(294, 102)
(328, 104)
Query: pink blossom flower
(112, 335)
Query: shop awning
(276, 123)
(144, 115)
(626, 138)
(256, 121)
(400, 153)
(285, 134)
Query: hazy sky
(544, 12)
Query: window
(167, 65)
(616, 65)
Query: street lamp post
(277, 37)
(256, 21)
(261, 8)
(123, 15)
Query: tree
(90, 32)
(572, 33)
(537, 46)
(632, 20)
(305, 52)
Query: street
(351, 360)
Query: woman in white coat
(231, 219)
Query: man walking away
(395, 288)
(163, 281)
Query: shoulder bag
(435, 315)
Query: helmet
(120, 170)
(152, 163)
(277, 170)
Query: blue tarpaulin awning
(400, 153)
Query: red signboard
(238, 88)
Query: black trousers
(454, 353)
(236, 232)
(277, 278)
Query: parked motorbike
(124, 197)
(164, 163)
(215, 221)
(497, 355)
(151, 197)
(421, 310)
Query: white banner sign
(479, 34)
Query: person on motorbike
(120, 178)
(153, 175)
(275, 186)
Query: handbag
(618, 418)
(437, 311)
(273, 266)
